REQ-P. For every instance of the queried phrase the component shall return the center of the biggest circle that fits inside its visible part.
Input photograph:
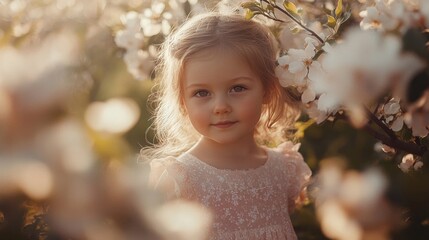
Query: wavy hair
(250, 39)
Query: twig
(272, 18)
(396, 143)
(379, 123)
(390, 141)
(295, 20)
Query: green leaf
(339, 8)
(249, 14)
(302, 126)
(249, 4)
(291, 8)
(253, 6)
(295, 30)
(332, 22)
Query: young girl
(219, 104)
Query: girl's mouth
(224, 124)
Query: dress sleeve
(165, 176)
(298, 174)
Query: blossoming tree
(363, 63)
(74, 77)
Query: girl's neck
(238, 155)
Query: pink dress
(246, 204)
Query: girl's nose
(221, 106)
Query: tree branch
(296, 21)
(391, 141)
(379, 123)
(396, 143)
(272, 18)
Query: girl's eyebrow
(232, 80)
(243, 77)
(196, 85)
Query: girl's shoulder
(166, 174)
(297, 171)
(287, 154)
(289, 151)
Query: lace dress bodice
(246, 204)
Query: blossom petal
(284, 60)
(308, 95)
(295, 67)
(398, 124)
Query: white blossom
(151, 20)
(316, 78)
(407, 162)
(388, 15)
(410, 162)
(131, 37)
(129, 40)
(346, 202)
(347, 77)
(139, 63)
(293, 67)
(157, 18)
(322, 104)
(131, 21)
(392, 114)
(327, 103)
(382, 147)
(417, 117)
(361, 68)
(392, 107)
(357, 74)
(419, 123)
(418, 165)
(398, 124)
(362, 188)
(160, 17)
(308, 95)
(314, 113)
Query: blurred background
(74, 80)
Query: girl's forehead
(223, 57)
(219, 51)
(213, 65)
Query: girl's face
(223, 97)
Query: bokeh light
(116, 115)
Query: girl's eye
(238, 89)
(201, 93)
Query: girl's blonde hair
(173, 130)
